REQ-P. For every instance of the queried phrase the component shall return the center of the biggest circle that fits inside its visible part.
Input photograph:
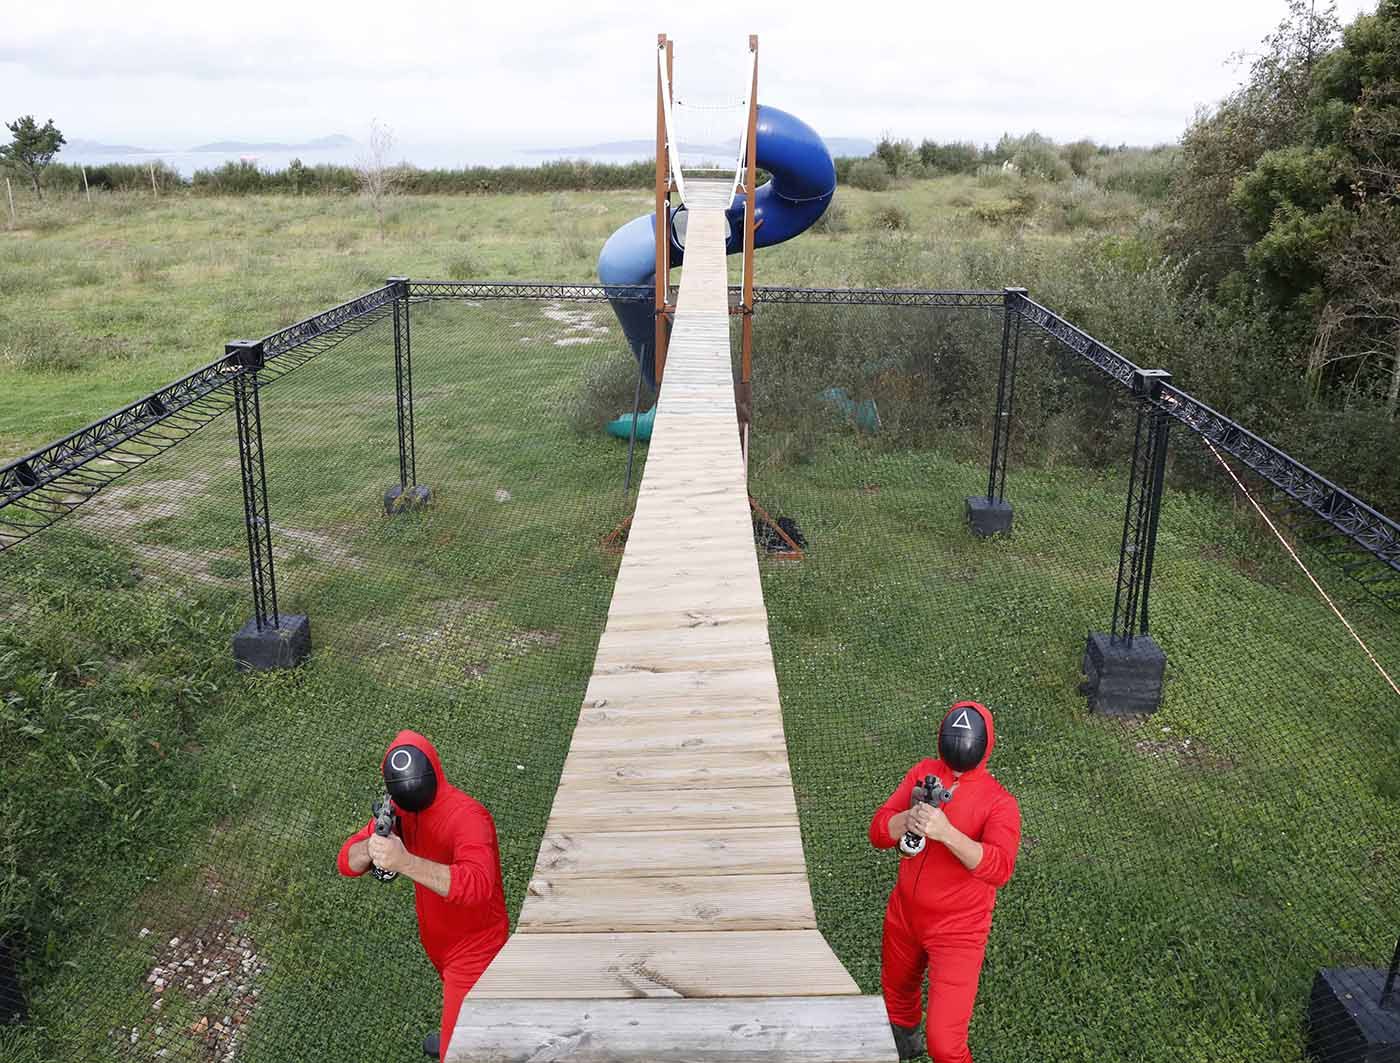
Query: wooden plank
(674, 903)
(658, 811)
(680, 688)
(738, 963)
(606, 770)
(664, 616)
(680, 852)
(701, 736)
(817, 1030)
(700, 637)
(738, 712)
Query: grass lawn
(1181, 877)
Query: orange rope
(1294, 554)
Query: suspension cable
(1294, 554)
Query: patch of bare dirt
(321, 546)
(211, 970)
(580, 325)
(1184, 752)
(124, 506)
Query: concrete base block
(988, 517)
(1346, 1022)
(399, 499)
(1123, 679)
(284, 646)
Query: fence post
(408, 493)
(991, 514)
(268, 639)
(1124, 668)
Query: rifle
(930, 792)
(383, 826)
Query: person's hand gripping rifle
(930, 792)
(383, 826)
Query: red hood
(986, 715)
(413, 738)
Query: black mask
(962, 739)
(409, 776)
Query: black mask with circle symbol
(410, 778)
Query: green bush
(112, 177)
(949, 158)
(100, 688)
(891, 217)
(869, 174)
(1079, 156)
(835, 219)
(1147, 173)
(898, 156)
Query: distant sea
(424, 156)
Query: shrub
(1079, 156)
(1145, 172)
(870, 175)
(949, 158)
(897, 155)
(1037, 157)
(607, 392)
(892, 216)
(835, 219)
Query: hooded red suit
(940, 913)
(462, 932)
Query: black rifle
(930, 792)
(384, 826)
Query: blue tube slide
(803, 182)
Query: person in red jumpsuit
(953, 861)
(446, 843)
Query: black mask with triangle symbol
(962, 740)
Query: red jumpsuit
(940, 913)
(462, 932)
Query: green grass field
(1181, 877)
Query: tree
(377, 178)
(32, 148)
(1289, 204)
(1269, 110)
(1359, 324)
(897, 155)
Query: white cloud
(574, 72)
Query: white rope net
(707, 137)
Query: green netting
(169, 885)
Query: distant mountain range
(78, 145)
(836, 145)
(330, 143)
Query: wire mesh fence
(169, 889)
(1184, 874)
(171, 893)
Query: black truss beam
(1362, 526)
(334, 320)
(977, 300)
(403, 385)
(1141, 514)
(42, 487)
(1366, 527)
(256, 517)
(48, 484)
(1102, 357)
(964, 300)
(526, 290)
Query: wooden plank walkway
(669, 917)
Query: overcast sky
(165, 74)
